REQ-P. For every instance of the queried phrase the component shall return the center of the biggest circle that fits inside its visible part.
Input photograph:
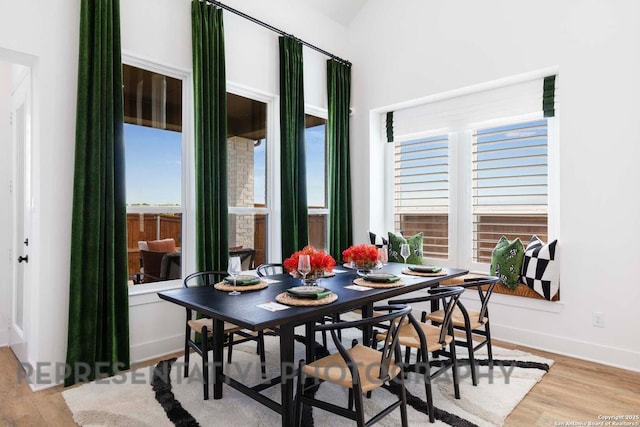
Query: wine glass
(234, 269)
(382, 255)
(405, 251)
(304, 266)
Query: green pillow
(415, 248)
(506, 261)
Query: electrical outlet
(598, 319)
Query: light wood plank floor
(572, 391)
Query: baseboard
(590, 351)
(152, 349)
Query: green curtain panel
(390, 126)
(293, 175)
(339, 174)
(98, 336)
(548, 96)
(210, 99)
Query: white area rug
(129, 399)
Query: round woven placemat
(228, 287)
(419, 273)
(362, 282)
(285, 298)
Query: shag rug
(160, 395)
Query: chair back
(203, 278)
(485, 287)
(396, 315)
(447, 296)
(246, 257)
(264, 270)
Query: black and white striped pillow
(540, 268)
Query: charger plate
(362, 282)
(285, 298)
(228, 287)
(442, 272)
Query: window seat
(521, 291)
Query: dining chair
(202, 328)
(473, 322)
(264, 270)
(428, 338)
(361, 369)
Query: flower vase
(313, 278)
(366, 269)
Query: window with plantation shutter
(421, 192)
(474, 164)
(509, 185)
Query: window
(471, 167)
(509, 187)
(247, 147)
(153, 150)
(421, 188)
(316, 153)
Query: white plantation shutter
(509, 184)
(421, 189)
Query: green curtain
(548, 96)
(98, 336)
(339, 175)
(390, 126)
(210, 99)
(293, 170)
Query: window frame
(272, 196)
(188, 170)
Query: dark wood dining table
(243, 311)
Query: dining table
(257, 310)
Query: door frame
(21, 95)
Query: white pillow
(541, 268)
(142, 245)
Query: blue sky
(153, 166)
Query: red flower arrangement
(363, 256)
(320, 262)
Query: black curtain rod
(276, 30)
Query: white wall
(157, 30)
(45, 35)
(427, 48)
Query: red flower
(320, 261)
(361, 255)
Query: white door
(20, 189)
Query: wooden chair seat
(408, 337)
(197, 325)
(334, 369)
(458, 318)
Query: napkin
(321, 293)
(425, 268)
(243, 280)
(389, 279)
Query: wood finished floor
(573, 390)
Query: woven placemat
(228, 287)
(419, 273)
(362, 282)
(285, 298)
